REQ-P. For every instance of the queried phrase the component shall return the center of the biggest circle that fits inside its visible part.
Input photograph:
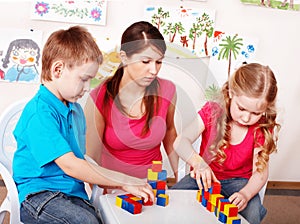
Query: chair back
(8, 121)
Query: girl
(132, 112)
(238, 135)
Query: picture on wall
(230, 51)
(277, 4)
(77, 11)
(20, 53)
(187, 27)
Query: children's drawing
(278, 4)
(228, 53)
(187, 27)
(86, 11)
(20, 56)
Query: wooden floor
(283, 206)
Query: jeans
(56, 207)
(253, 213)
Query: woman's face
(142, 68)
(247, 110)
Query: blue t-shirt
(46, 130)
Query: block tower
(215, 202)
(157, 178)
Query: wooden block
(152, 183)
(233, 220)
(162, 200)
(162, 175)
(214, 198)
(210, 207)
(161, 185)
(215, 188)
(230, 210)
(152, 175)
(221, 204)
(222, 217)
(156, 166)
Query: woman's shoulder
(167, 87)
(98, 92)
(165, 82)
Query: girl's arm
(94, 133)
(184, 148)
(93, 174)
(170, 138)
(254, 185)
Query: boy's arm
(94, 174)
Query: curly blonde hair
(252, 80)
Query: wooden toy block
(132, 206)
(161, 185)
(214, 198)
(152, 184)
(210, 207)
(199, 196)
(230, 210)
(233, 220)
(158, 192)
(162, 200)
(204, 202)
(119, 200)
(215, 188)
(222, 217)
(137, 199)
(152, 175)
(148, 203)
(206, 194)
(221, 204)
(156, 166)
(155, 192)
(162, 175)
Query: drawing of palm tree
(230, 45)
(157, 19)
(203, 25)
(172, 30)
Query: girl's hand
(202, 173)
(239, 199)
(141, 190)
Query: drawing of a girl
(25, 54)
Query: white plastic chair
(8, 121)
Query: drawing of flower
(41, 8)
(96, 14)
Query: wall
(277, 31)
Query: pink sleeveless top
(239, 160)
(125, 149)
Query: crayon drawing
(85, 12)
(277, 4)
(187, 27)
(20, 54)
(229, 52)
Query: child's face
(73, 83)
(246, 110)
(143, 67)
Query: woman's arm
(94, 174)
(184, 148)
(170, 138)
(94, 133)
(254, 185)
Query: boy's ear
(57, 68)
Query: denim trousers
(56, 207)
(253, 213)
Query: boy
(48, 166)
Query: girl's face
(73, 83)
(247, 110)
(24, 56)
(142, 68)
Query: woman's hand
(202, 173)
(239, 199)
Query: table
(182, 208)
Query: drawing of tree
(203, 25)
(172, 30)
(157, 19)
(230, 45)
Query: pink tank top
(125, 149)
(239, 160)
